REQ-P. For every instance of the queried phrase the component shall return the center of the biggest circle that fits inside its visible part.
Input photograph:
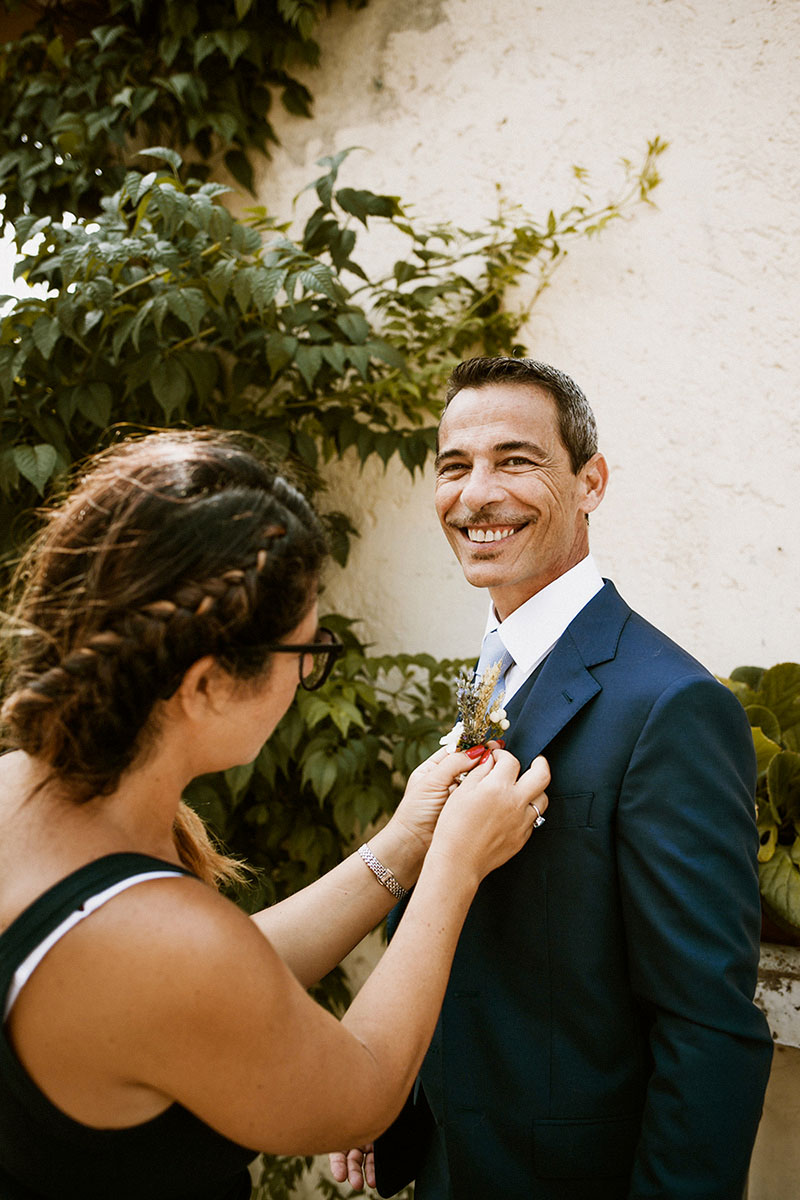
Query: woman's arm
(170, 993)
(314, 929)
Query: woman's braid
(157, 641)
(172, 547)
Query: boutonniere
(477, 723)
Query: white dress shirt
(531, 631)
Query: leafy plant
(164, 309)
(771, 699)
(87, 82)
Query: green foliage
(771, 700)
(164, 309)
(86, 81)
(278, 1177)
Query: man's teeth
(489, 535)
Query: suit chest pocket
(569, 811)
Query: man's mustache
(487, 516)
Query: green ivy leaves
(35, 463)
(164, 308)
(771, 700)
(75, 95)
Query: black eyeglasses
(322, 653)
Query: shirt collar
(531, 631)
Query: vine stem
(151, 278)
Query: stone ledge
(778, 991)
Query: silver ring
(539, 818)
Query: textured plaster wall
(681, 325)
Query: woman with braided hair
(154, 1037)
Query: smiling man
(513, 500)
(599, 1036)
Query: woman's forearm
(316, 928)
(395, 1012)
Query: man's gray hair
(576, 421)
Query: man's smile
(497, 533)
(482, 533)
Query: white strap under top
(31, 962)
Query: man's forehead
(502, 412)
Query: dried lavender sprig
(479, 724)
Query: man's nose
(482, 487)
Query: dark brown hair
(170, 547)
(576, 421)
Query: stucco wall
(680, 325)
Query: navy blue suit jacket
(598, 1036)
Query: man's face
(507, 499)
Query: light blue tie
(492, 651)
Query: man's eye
(518, 461)
(452, 468)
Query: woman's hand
(491, 814)
(315, 928)
(429, 786)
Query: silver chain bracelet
(382, 873)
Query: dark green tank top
(46, 1155)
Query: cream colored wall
(680, 326)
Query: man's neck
(507, 600)
(532, 630)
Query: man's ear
(594, 476)
(204, 687)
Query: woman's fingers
(533, 782)
(530, 783)
(445, 767)
(493, 759)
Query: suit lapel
(552, 697)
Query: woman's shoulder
(152, 973)
(149, 950)
(168, 912)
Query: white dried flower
(451, 739)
